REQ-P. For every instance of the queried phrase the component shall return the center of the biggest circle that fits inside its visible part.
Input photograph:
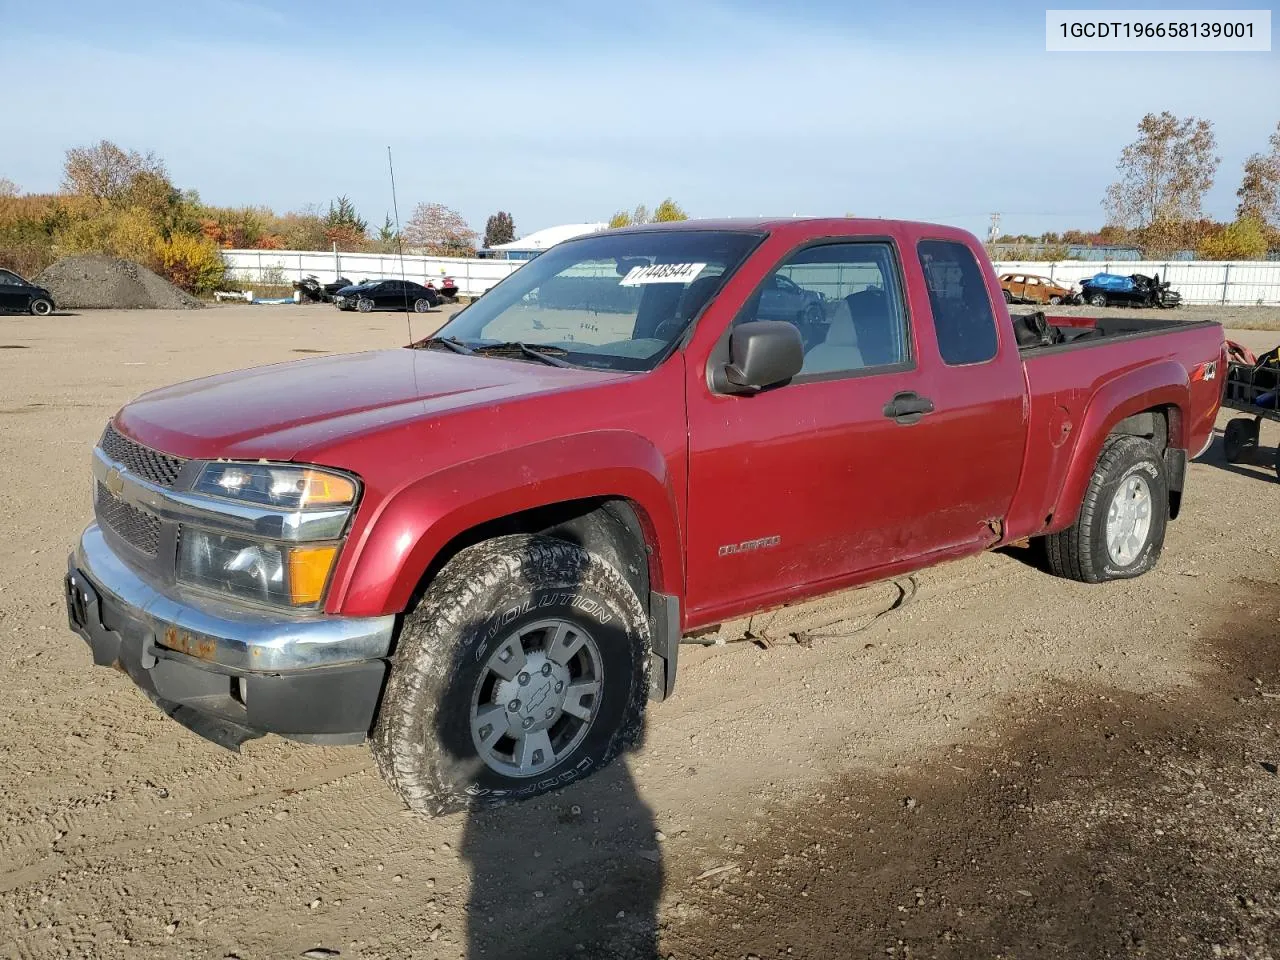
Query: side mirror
(762, 353)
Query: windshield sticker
(662, 273)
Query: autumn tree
(499, 228)
(668, 212)
(1243, 240)
(620, 219)
(1259, 192)
(1165, 173)
(106, 172)
(439, 230)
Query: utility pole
(993, 231)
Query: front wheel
(1008, 297)
(1097, 299)
(41, 307)
(523, 668)
(1120, 530)
(364, 304)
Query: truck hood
(278, 412)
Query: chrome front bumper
(230, 636)
(227, 672)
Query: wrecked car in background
(1135, 290)
(1029, 288)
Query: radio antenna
(408, 320)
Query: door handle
(908, 407)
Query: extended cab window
(962, 317)
(846, 302)
(617, 300)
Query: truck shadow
(573, 873)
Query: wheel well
(607, 527)
(1160, 425)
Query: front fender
(388, 555)
(1163, 384)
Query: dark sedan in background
(386, 295)
(22, 296)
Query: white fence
(286, 266)
(1199, 281)
(1240, 283)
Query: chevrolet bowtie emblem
(114, 482)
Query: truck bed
(1069, 333)
(1091, 362)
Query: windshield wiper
(453, 343)
(528, 351)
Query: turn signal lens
(309, 573)
(327, 489)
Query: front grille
(139, 529)
(159, 468)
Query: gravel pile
(85, 283)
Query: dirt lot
(1007, 766)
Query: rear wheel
(1055, 301)
(1120, 530)
(421, 305)
(1239, 439)
(41, 307)
(523, 668)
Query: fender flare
(1163, 384)
(393, 548)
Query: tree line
(1156, 201)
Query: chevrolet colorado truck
(480, 552)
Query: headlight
(288, 575)
(270, 485)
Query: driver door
(815, 479)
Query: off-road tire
(41, 307)
(1080, 552)
(1240, 439)
(422, 742)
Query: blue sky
(567, 111)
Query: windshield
(616, 301)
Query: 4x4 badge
(114, 482)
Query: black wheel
(1239, 439)
(1097, 299)
(524, 667)
(1008, 297)
(1120, 530)
(364, 304)
(421, 305)
(41, 307)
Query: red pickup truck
(480, 552)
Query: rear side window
(962, 317)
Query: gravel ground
(97, 282)
(1009, 765)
